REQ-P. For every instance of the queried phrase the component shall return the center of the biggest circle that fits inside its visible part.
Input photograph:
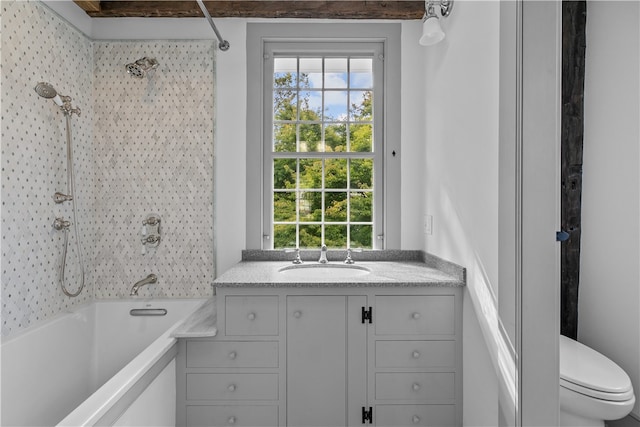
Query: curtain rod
(223, 45)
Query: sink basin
(322, 272)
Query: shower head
(45, 90)
(141, 67)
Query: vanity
(378, 342)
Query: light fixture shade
(431, 31)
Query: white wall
(609, 294)
(461, 192)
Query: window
(321, 152)
(323, 144)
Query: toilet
(592, 387)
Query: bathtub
(97, 365)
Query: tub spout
(152, 278)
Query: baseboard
(630, 420)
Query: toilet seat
(585, 371)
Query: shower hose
(71, 190)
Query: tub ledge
(200, 324)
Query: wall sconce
(431, 30)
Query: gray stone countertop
(420, 270)
(335, 274)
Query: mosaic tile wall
(140, 146)
(38, 46)
(154, 154)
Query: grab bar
(148, 312)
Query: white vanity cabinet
(326, 356)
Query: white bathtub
(95, 366)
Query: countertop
(430, 271)
(313, 274)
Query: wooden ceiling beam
(89, 6)
(318, 9)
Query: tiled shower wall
(38, 46)
(154, 154)
(140, 146)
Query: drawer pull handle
(233, 355)
(416, 315)
(251, 316)
(415, 354)
(231, 420)
(416, 419)
(416, 386)
(232, 387)
(297, 314)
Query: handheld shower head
(141, 67)
(47, 91)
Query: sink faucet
(152, 278)
(323, 255)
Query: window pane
(361, 236)
(361, 206)
(284, 174)
(310, 236)
(361, 73)
(335, 138)
(310, 106)
(361, 138)
(335, 236)
(284, 72)
(361, 108)
(311, 173)
(284, 236)
(310, 206)
(284, 206)
(284, 138)
(335, 106)
(361, 173)
(335, 70)
(311, 73)
(335, 206)
(310, 138)
(335, 173)
(285, 105)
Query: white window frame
(259, 37)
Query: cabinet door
(322, 343)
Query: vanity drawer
(415, 415)
(204, 386)
(251, 315)
(416, 354)
(232, 354)
(232, 415)
(415, 386)
(415, 315)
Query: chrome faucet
(323, 255)
(152, 278)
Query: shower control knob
(59, 197)
(60, 224)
